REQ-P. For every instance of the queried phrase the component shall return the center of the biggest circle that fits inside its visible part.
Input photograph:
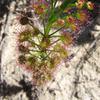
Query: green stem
(47, 55)
(52, 4)
(32, 41)
(44, 26)
(34, 27)
(47, 29)
(55, 36)
(56, 31)
(49, 24)
(35, 50)
(55, 42)
(55, 3)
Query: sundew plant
(42, 51)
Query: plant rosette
(41, 52)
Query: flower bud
(90, 5)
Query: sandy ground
(78, 79)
